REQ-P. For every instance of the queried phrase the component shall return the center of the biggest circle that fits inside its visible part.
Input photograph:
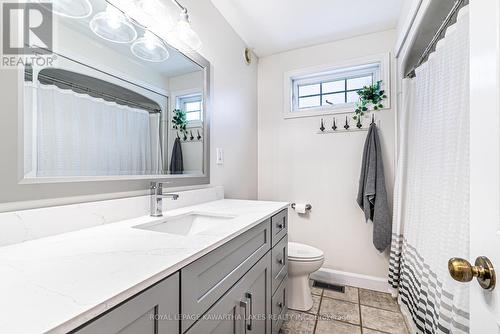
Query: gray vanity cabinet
(153, 311)
(244, 308)
(238, 288)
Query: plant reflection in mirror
(179, 121)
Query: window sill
(319, 112)
(324, 112)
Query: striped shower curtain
(431, 206)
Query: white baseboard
(357, 280)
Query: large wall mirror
(118, 102)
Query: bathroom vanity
(216, 267)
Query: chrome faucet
(156, 198)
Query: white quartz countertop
(58, 283)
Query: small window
(192, 105)
(331, 89)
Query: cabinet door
(279, 263)
(207, 279)
(154, 311)
(244, 309)
(279, 307)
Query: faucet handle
(156, 188)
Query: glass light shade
(186, 34)
(147, 13)
(113, 26)
(75, 9)
(150, 48)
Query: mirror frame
(170, 180)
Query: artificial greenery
(179, 121)
(369, 96)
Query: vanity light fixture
(150, 48)
(74, 9)
(112, 25)
(154, 16)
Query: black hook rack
(347, 127)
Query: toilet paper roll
(300, 208)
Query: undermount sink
(187, 224)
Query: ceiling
(273, 26)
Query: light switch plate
(220, 156)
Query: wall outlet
(220, 156)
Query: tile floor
(357, 311)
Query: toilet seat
(302, 252)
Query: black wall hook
(373, 119)
(322, 127)
(334, 127)
(359, 125)
(346, 126)
(191, 137)
(199, 136)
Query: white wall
(234, 124)
(297, 165)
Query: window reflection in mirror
(106, 108)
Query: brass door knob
(461, 270)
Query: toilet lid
(301, 251)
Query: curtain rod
(95, 92)
(438, 35)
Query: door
(244, 308)
(485, 158)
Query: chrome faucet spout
(156, 198)
(172, 196)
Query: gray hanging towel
(372, 195)
(176, 162)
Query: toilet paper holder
(308, 206)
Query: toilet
(302, 261)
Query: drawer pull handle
(280, 305)
(244, 305)
(281, 261)
(249, 296)
(280, 226)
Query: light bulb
(114, 17)
(149, 6)
(75, 9)
(150, 40)
(186, 34)
(113, 26)
(150, 48)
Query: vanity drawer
(204, 281)
(279, 263)
(279, 225)
(153, 311)
(279, 307)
